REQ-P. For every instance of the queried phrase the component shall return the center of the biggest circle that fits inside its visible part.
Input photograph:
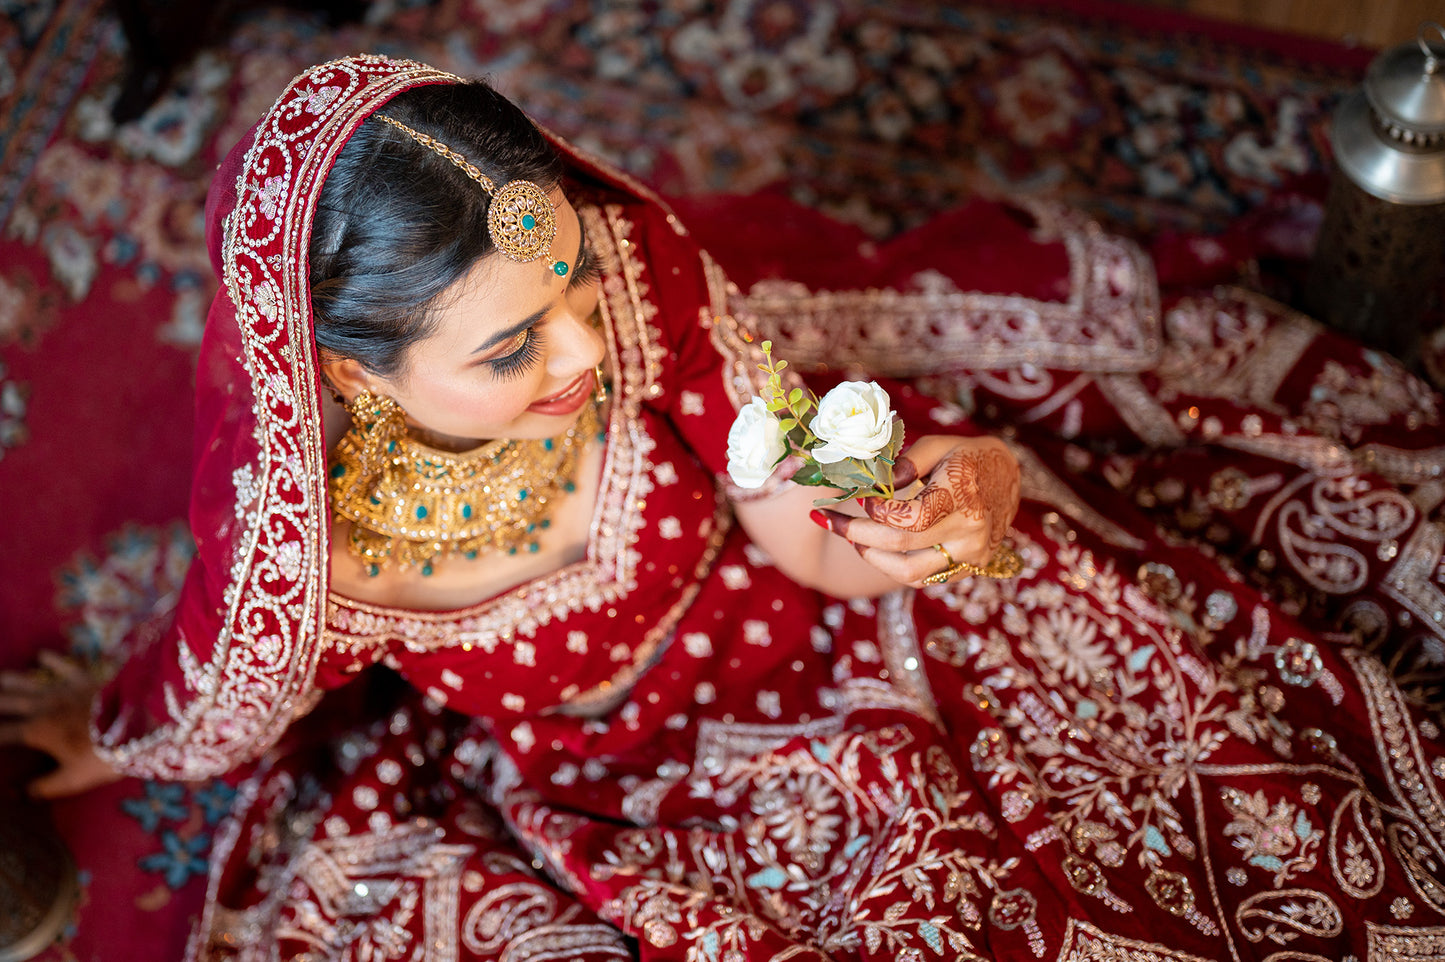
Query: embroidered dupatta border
(1110, 321)
(261, 665)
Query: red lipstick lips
(569, 399)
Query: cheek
(475, 399)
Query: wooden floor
(1376, 23)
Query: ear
(348, 376)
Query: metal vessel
(1380, 259)
(38, 886)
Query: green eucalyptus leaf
(809, 475)
(845, 474)
(896, 441)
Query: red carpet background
(878, 113)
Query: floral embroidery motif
(1278, 838)
(877, 852)
(134, 582)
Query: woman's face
(513, 351)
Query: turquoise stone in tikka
(420, 512)
(466, 512)
(337, 470)
(426, 570)
(528, 222)
(560, 268)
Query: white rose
(755, 444)
(853, 421)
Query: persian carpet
(878, 113)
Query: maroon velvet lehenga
(1201, 724)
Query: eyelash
(519, 361)
(587, 271)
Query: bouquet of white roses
(848, 440)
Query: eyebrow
(507, 333)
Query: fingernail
(820, 519)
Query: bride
(1138, 664)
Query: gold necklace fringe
(416, 505)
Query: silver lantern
(1381, 253)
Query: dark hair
(397, 225)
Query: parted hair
(397, 225)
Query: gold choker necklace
(416, 505)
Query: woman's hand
(969, 497)
(51, 712)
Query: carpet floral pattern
(877, 113)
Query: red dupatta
(237, 661)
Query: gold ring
(950, 567)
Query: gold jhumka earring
(413, 504)
(600, 395)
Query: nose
(576, 345)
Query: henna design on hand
(998, 490)
(980, 485)
(922, 511)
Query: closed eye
(587, 271)
(518, 362)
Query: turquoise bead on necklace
(419, 509)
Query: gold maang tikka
(520, 219)
(413, 504)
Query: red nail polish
(820, 519)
